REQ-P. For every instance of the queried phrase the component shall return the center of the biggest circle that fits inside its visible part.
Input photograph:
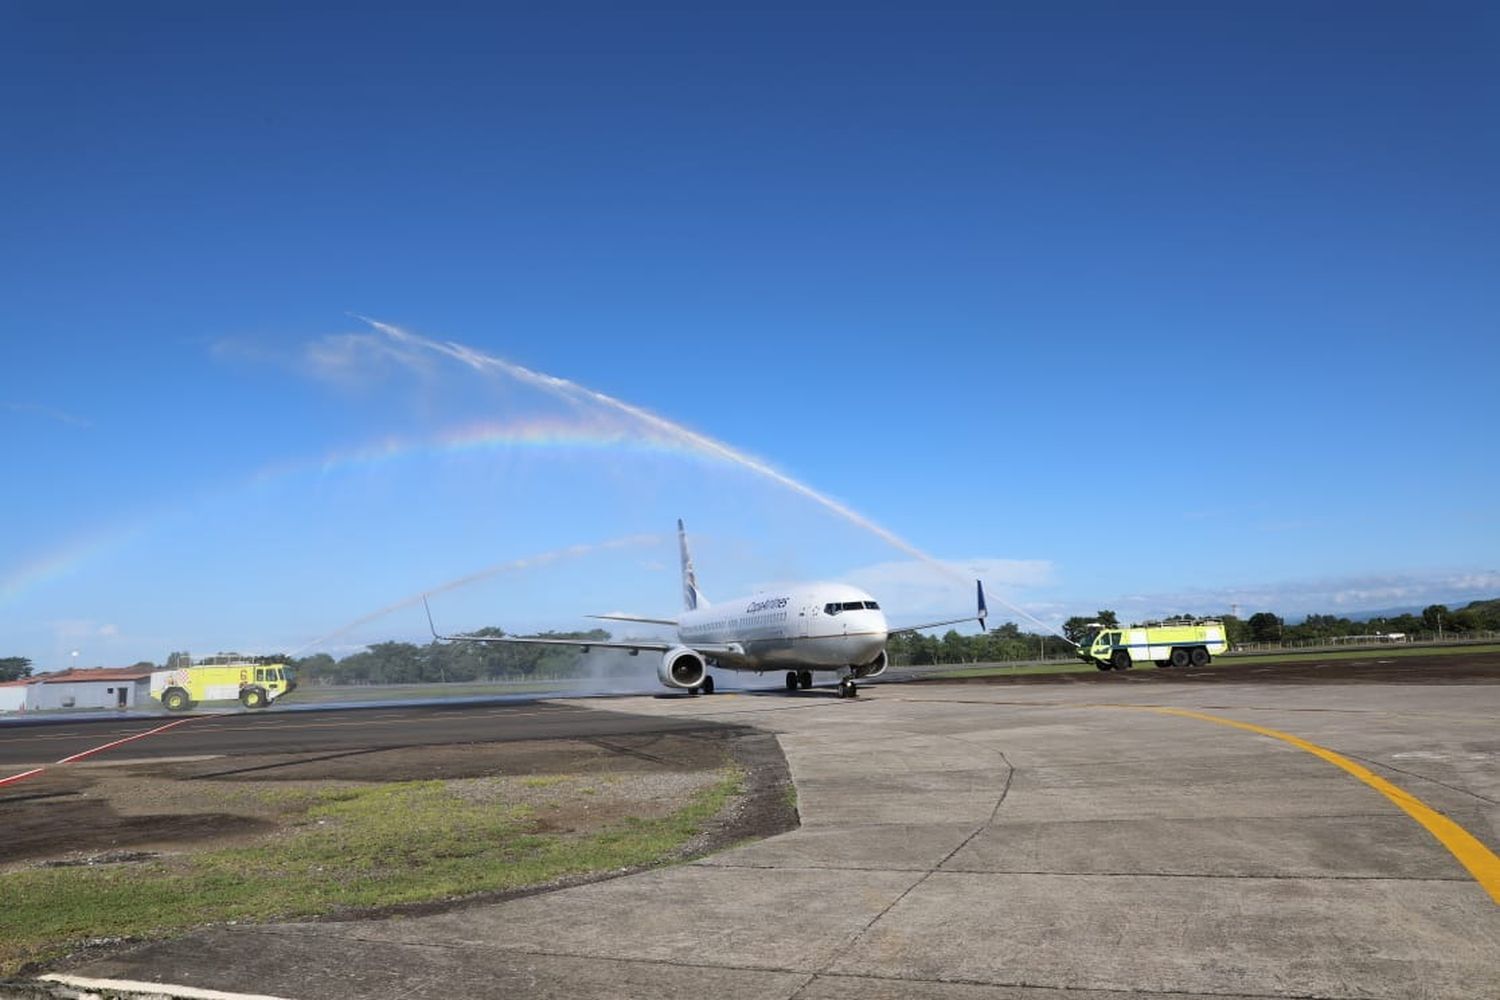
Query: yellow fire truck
(253, 682)
(1176, 642)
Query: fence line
(1345, 642)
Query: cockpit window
(837, 606)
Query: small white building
(97, 687)
(13, 695)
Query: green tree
(1107, 619)
(954, 648)
(13, 668)
(1463, 620)
(1236, 631)
(1435, 616)
(1077, 628)
(320, 667)
(1266, 627)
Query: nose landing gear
(847, 688)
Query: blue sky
(1162, 308)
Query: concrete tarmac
(993, 843)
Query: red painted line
(128, 739)
(23, 774)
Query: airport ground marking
(98, 749)
(1480, 861)
(128, 739)
(152, 989)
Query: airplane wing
(635, 618)
(980, 614)
(632, 646)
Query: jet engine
(875, 667)
(680, 667)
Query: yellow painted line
(1473, 855)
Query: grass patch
(545, 780)
(1361, 653)
(314, 694)
(355, 847)
(1015, 670)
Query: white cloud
(1326, 595)
(361, 358)
(912, 587)
(51, 413)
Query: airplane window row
(836, 607)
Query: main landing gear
(707, 687)
(798, 678)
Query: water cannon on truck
(1176, 642)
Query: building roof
(83, 674)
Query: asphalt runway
(270, 732)
(1242, 839)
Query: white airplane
(802, 628)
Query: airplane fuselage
(808, 626)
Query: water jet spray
(573, 392)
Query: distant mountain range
(1364, 616)
(1416, 609)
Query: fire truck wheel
(253, 698)
(1200, 656)
(175, 700)
(1121, 660)
(1179, 657)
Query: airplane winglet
(984, 612)
(429, 617)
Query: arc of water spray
(572, 392)
(526, 562)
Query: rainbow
(551, 435)
(63, 560)
(541, 435)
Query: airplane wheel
(791, 680)
(708, 685)
(805, 679)
(847, 688)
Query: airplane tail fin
(984, 611)
(691, 598)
